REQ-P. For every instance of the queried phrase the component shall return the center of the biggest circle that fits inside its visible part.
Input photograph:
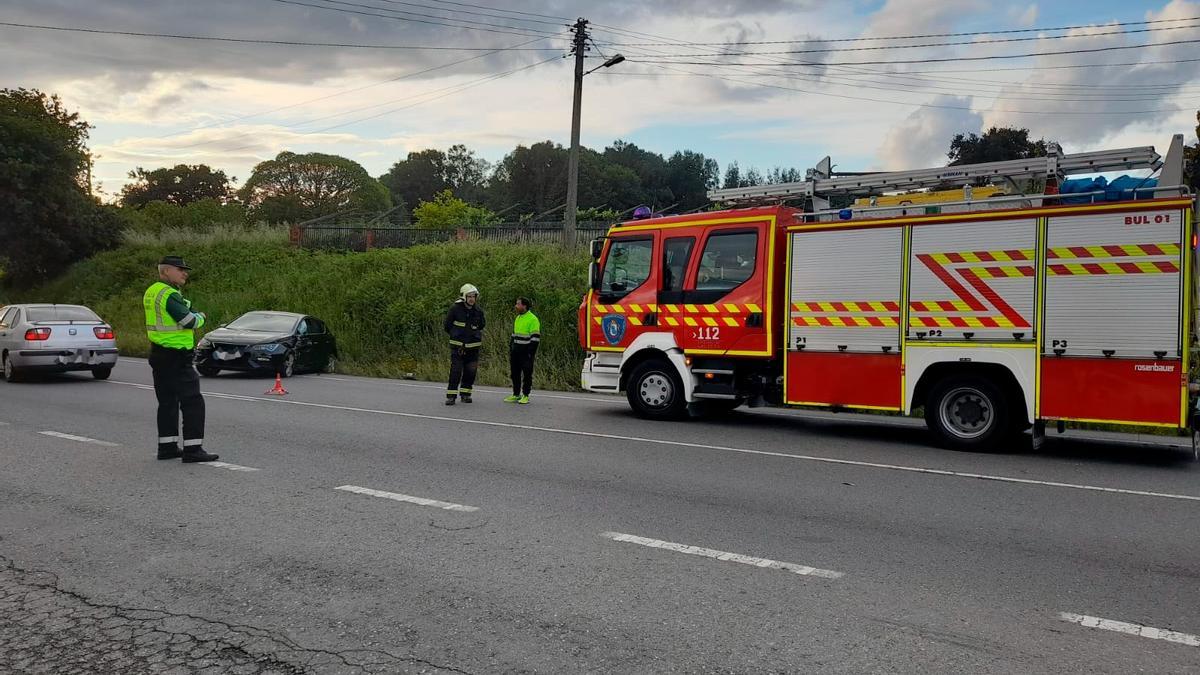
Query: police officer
(526, 336)
(171, 325)
(464, 323)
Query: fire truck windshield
(627, 266)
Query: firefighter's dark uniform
(464, 324)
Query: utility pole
(579, 48)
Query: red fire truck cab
(993, 314)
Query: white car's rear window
(61, 313)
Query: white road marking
(406, 498)
(227, 465)
(4, 424)
(81, 439)
(1131, 629)
(722, 555)
(704, 446)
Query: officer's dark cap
(174, 261)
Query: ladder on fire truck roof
(821, 184)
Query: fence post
(294, 235)
(370, 239)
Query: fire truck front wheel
(969, 413)
(655, 391)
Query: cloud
(914, 17)
(1026, 17)
(921, 140)
(1064, 99)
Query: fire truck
(990, 308)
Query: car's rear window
(61, 313)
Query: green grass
(385, 306)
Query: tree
(995, 145)
(534, 177)
(1191, 160)
(446, 211)
(48, 217)
(157, 216)
(423, 175)
(417, 178)
(690, 175)
(292, 188)
(180, 185)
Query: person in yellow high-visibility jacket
(171, 325)
(526, 336)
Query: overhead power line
(289, 43)
(898, 61)
(893, 37)
(467, 11)
(479, 26)
(510, 11)
(925, 105)
(441, 93)
(924, 45)
(350, 91)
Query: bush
(205, 213)
(386, 306)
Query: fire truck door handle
(650, 319)
(755, 320)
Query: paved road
(567, 536)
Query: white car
(56, 339)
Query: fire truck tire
(970, 413)
(655, 391)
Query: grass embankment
(385, 306)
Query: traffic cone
(278, 389)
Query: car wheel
(331, 364)
(969, 413)
(208, 371)
(655, 391)
(11, 374)
(102, 373)
(289, 366)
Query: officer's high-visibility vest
(160, 327)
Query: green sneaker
(523, 400)
(512, 399)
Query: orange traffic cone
(278, 389)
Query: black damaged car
(268, 342)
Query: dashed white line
(1131, 629)
(704, 446)
(227, 465)
(723, 555)
(80, 439)
(396, 496)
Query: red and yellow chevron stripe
(848, 321)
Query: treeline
(435, 187)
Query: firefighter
(464, 323)
(170, 325)
(527, 334)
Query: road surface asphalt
(359, 525)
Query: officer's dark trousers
(177, 387)
(520, 365)
(464, 365)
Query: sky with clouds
(493, 75)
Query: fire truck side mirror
(597, 248)
(594, 276)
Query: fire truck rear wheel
(655, 391)
(969, 413)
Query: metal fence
(347, 237)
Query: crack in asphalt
(46, 628)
